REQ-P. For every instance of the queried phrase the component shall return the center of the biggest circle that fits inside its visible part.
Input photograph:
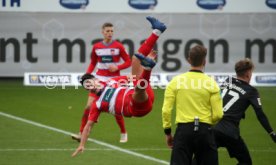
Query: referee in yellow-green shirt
(198, 104)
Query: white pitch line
(91, 140)
(109, 149)
(73, 149)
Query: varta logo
(50, 79)
(211, 4)
(74, 4)
(142, 4)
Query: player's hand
(169, 140)
(113, 68)
(80, 149)
(273, 136)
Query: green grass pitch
(53, 114)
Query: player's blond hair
(242, 66)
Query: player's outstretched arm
(84, 137)
(93, 62)
(264, 122)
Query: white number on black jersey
(235, 97)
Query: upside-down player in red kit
(118, 99)
(106, 56)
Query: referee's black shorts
(188, 143)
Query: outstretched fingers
(80, 149)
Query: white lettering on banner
(74, 1)
(25, 49)
(72, 79)
(48, 79)
(145, 2)
(55, 79)
(212, 2)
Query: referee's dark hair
(242, 66)
(86, 76)
(197, 55)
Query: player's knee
(89, 123)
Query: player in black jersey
(237, 95)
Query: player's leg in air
(158, 28)
(142, 64)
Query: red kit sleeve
(93, 62)
(125, 57)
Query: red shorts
(138, 109)
(92, 95)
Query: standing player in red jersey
(106, 55)
(120, 100)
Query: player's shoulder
(179, 76)
(209, 77)
(98, 44)
(244, 85)
(118, 43)
(253, 89)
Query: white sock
(157, 32)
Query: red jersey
(106, 54)
(116, 98)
